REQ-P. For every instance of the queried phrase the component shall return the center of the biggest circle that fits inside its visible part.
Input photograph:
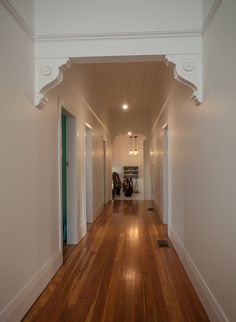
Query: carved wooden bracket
(188, 71)
(48, 74)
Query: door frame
(104, 164)
(165, 175)
(72, 182)
(88, 177)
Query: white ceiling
(113, 84)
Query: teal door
(64, 176)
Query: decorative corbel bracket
(48, 74)
(188, 71)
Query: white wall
(26, 196)
(202, 151)
(29, 198)
(110, 16)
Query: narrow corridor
(117, 273)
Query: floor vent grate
(163, 244)
(150, 209)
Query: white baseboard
(158, 208)
(212, 307)
(20, 304)
(72, 236)
(108, 197)
(82, 231)
(98, 211)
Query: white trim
(19, 305)
(119, 35)
(72, 201)
(166, 175)
(82, 231)
(109, 198)
(98, 211)
(88, 106)
(88, 171)
(158, 208)
(164, 106)
(210, 16)
(88, 126)
(18, 19)
(212, 307)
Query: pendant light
(131, 152)
(135, 152)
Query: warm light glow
(125, 106)
(136, 152)
(129, 133)
(131, 152)
(133, 233)
(130, 275)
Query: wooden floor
(118, 274)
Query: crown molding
(118, 35)
(210, 16)
(163, 107)
(114, 35)
(19, 20)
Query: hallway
(118, 273)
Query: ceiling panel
(113, 84)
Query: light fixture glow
(131, 152)
(129, 133)
(136, 152)
(125, 106)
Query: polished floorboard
(117, 273)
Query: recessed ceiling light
(129, 133)
(125, 106)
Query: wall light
(125, 106)
(129, 133)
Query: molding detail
(48, 74)
(188, 71)
(119, 35)
(210, 15)
(15, 15)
